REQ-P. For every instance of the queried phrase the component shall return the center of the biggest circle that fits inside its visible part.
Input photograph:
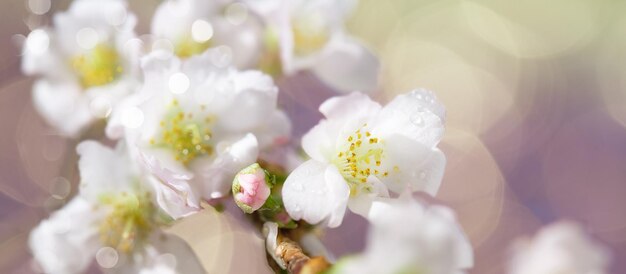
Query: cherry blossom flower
(559, 248)
(194, 125)
(362, 150)
(310, 35)
(192, 26)
(113, 220)
(409, 237)
(87, 61)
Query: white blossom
(192, 26)
(200, 124)
(310, 35)
(87, 63)
(559, 248)
(361, 151)
(111, 220)
(408, 237)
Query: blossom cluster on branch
(191, 117)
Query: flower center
(187, 135)
(129, 223)
(188, 47)
(98, 67)
(309, 35)
(360, 156)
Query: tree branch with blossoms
(192, 117)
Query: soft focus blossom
(195, 125)
(409, 237)
(113, 219)
(362, 150)
(87, 63)
(310, 35)
(250, 188)
(192, 26)
(560, 248)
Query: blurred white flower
(192, 26)
(310, 35)
(408, 237)
(559, 248)
(362, 150)
(196, 134)
(112, 219)
(86, 62)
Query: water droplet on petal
(417, 120)
(216, 194)
(297, 208)
(298, 187)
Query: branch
(295, 260)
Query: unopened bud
(250, 188)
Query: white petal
(253, 102)
(417, 115)
(316, 192)
(171, 183)
(413, 164)
(245, 39)
(320, 142)
(347, 65)
(215, 177)
(62, 105)
(41, 56)
(103, 170)
(351, 106)
(98, 17)
(67, 241)
(362, 203)
(275, 132)
(173, 19)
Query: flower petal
(103, 170)
(412, 164)
(417, 115)
(316, 192)
(320, 142)
(175, 195)
(351, 106)
(67, 241)
(215, 176)
(62, 105)
(347, 65)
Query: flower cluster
(192, 113)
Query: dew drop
(297, 208)
(417, 120)
(298, 187)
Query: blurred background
(536, 129)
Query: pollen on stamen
(188, 137)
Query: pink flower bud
(250, 188)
